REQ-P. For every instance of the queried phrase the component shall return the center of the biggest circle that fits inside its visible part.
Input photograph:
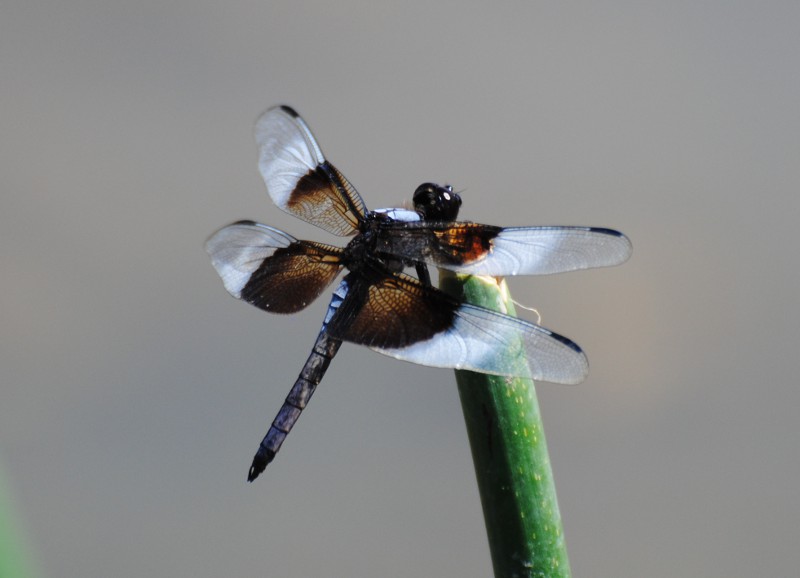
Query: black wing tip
(609, 232)
(620, 240)
(260, 462)
(289, 110)
(566, 341)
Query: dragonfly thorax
(363, 247)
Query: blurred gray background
(135, 390)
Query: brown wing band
(292, 277)
(391, 311)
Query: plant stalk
(509, 452)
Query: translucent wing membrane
(489, 342)
(477, 249)
(546, 250)
(270, 269)
(299, 179)
(399, 317)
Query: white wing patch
(287, 151)
(487, 342)
(238, 250)
(547, 250)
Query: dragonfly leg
(422, 273)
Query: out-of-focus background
(135, 390)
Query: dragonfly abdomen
(324, 350)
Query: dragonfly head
(436, 203)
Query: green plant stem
(509, 451)
(15, 561)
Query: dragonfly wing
(398, 316)
(547, 250)
(489, 342)
(476, 249)
(299, 179)
(271, 269)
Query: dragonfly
(377, 304)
